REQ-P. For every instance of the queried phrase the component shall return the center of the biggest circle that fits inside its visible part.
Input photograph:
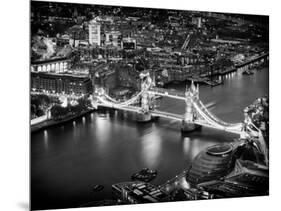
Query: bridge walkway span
(211, 118)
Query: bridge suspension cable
(205, 117)
(110, 98)
(214, 118)
(123, 103)
(236, 127)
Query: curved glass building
(211, 164)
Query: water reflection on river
(106, 147)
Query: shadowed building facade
(61, 83)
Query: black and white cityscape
(138, 105)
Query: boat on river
(144, 175)
(97, 188)
(248, 72)
(214, 82)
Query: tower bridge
(196, 113)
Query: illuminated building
(56, 65)
(112, 38)
(197, 21)
(94, 33)
(139, 192)
(60, 83)
(129, 43)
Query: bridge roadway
(154, 113)
(178, 117)
(124, 108)
(208, 120)
(167, 115)
(157, 113)
(167, 93)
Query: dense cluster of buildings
(139, 192)
(61, 83)
(176, 45)
(55, 77)
(246, 179)
(219, 171)
(258, 112)
(224, 172)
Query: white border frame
(14, 182)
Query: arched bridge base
(144, 117)
(187, 127)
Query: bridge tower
(48, 113)
(191, 94)
(146, 83)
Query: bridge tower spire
(188, 116)
(191, 94)
(146, 83)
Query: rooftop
(219, 150)
(144, 192)
(67, 74)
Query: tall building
(94, 33)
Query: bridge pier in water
(187, 127)
(144, 117)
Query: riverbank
(204, 78)
(50, 123)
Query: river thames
(108, 146)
